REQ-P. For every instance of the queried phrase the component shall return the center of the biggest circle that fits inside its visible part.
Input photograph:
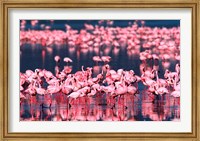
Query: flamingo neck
(157, 77)
(175, 82)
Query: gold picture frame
(4, 87)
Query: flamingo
(148, 81)
(75, 94)
(97, 59)
(148, 73)
(106, 59)
(132, 90)
(57, 59)
(161, 82)
(28, 73)
(176, 93)
(40, 91)
(104, 41)
(67, 60)
(66, 89)
(160, 90)
(52, 89)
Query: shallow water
(126, 108)
(140, 107)
(34, 56)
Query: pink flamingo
(57, 59)
(160, 90)
(67, 69)
(147, 81)
(97, 59)
(106, 59)
(148, 73)
(67, 60)
(52, 89)
(177, 68)
(132, 90)
(161, 82)
(176, 93)
(66, 89)
(40, 91)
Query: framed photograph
(99, 70)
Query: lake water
(141, 107)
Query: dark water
(127, 108)
(33, 57)
(141, 107)
(79, 24)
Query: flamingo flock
(164, 43)
(110, 87)
(109, 83)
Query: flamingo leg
(76, 109)
(67, 101)
(85, 107)
(123, 105)
(51, 114)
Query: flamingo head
(57, 58)
(178, 68)
(143, 69)
(100, 76)
(107, 66)
(166, 71)
(89, 69)
(37, 71)
(142, 78)
(132, 72)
